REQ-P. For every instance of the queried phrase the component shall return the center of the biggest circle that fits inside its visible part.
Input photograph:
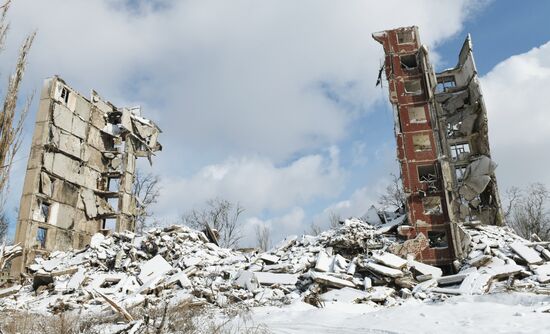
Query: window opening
(41, 234)
(109, 224)
(113, 184)
(65, 94)
(405, 37)
(413, 87)
(408, 62)
(428, 175)
(458, 151)
(438, 239)
(432, 205)
(459, 173)
(444, 83)
(113, 202)
(44, 211)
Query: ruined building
(80, 171)
(442, 144)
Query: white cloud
(235, 75)
(519, 118)
(280, 227)
(356, 205)
(263, 83)
(256, 183)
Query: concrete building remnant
(80, 171)
(442, 144)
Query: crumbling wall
(80, 170)
(442, 143)
(470, 178)
(410, 81)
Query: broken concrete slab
(273, 278)
(383, 270)
(389, 260)
(527, 253)
(328, 280)
(154, 267)
(324, 262)
(425, 269)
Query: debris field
(352, 263)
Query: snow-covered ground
(486, 314)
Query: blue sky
(273, 104)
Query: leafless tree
(11, 121)
(147, 190)
(334, 219)
(314, 229)
(511, 196)
(394, 196)
(528, 211)
(263, 237)
(4, 224)
(220, 215)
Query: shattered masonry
(442, 144)
(80, 171)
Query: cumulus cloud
(248, 94)
(230, 75)
(279, 227)
(519, 121)
(256, 183)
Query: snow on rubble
(354, 263)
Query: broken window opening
(432, 205)
(405, 36)
(44, 211)
(65, 95)
(459, 173)
(109, 224)
(427, 174)
(438, 239)
(413, 87)
(421, 142)
(408, 62)
(113, 184)
(113, 202)
(417, 115)
(41, 234)
(460, 151)
(444, 83)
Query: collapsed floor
(353, 263)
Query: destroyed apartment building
(442, 144)
(80, 171)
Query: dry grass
(186, 317)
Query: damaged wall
(469, 170)
(442, 143)
(80, 171)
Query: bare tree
(334, 219)
(11, 121)
(263, 237)
(394, 195)
(512, 196)
(314, 229)
(4, 224)
(528, 211)
(220, 215)
(147, 190)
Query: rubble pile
(356, 262)
(499, 260)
